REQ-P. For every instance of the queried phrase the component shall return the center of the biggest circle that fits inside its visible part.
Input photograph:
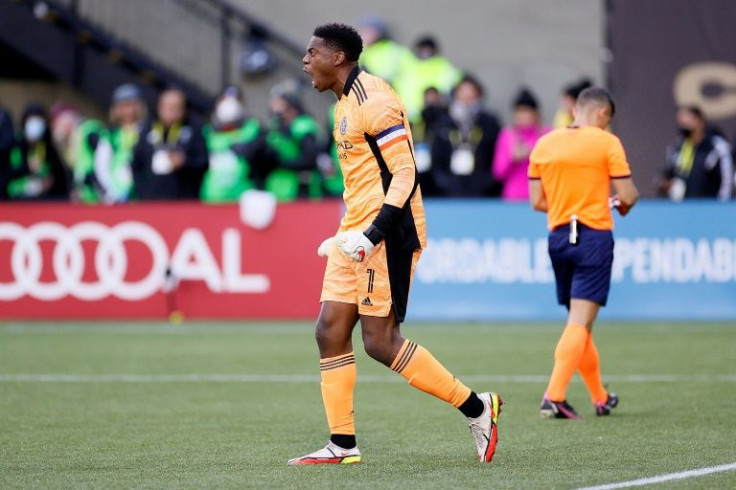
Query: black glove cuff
(387, 218)
(373, 234)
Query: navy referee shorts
(582, 270)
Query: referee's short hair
(598, 96)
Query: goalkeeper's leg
(383, 341)
(337, 366)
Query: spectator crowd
(461, 147)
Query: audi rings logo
(191, 259)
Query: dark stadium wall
(506, 43)
(687, 57)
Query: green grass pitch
(224, 405)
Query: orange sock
(425, 373)
(590, 371)
(568, 353)
(338, 383)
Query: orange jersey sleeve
(618, 167)
(575, 166)
(384, 116)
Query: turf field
(225, 405)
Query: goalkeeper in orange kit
(371, 260)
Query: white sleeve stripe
(391, 136)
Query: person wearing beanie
(236, 144)
(295, 138)
(127, 116)
(515, 143)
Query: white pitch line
(313, 378)
(666, 477)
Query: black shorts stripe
(406, 357)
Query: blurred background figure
(170, 159)
(6, 145)
(427, 68)
(237, 144)
(564, 116)
(514, 146)
(423, 132)
(127, 117)
(328, 162)
(295, 138)
(464, 143)
(85, 147)
(382, 56)
(699, 163)
(37, 172)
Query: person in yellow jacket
(426, 68)
(382, 56)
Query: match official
(570, 175)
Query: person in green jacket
(86, 148)
(426, 69)
(127, 115)
(295, 139)
(381, 56)
(236, 144)
(36, 170)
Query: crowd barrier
(485, 261)
(151, 260)
(488, 261)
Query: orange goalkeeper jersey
(375, 152)
(576, 166)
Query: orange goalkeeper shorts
(379, 283)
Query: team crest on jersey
(343, 125)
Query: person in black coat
(36, 169)
(6, 145)
(170, 159)
(464, 145)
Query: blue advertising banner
(488, 261)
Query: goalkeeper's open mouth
(310, 75)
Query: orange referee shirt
(575, 166)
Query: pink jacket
(513, 174)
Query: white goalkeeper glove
(354, 244)
(324, 248)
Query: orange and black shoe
(330, 454)
(485, 427)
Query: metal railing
(200, 40)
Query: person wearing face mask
(427, 68)
(127, 115)
(37, 172)
(236, 145)
(464, 143)
(85, 146)
(170, 159)
(699, 163)
(515, 143)
(295, 138)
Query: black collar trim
(351, 79)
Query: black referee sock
(472, 407)
(345, 441)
